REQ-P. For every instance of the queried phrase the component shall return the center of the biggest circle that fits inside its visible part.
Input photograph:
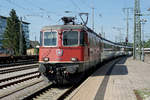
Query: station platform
(117, 80)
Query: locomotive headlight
(46, 59)
(74, 59)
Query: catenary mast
(137, 31)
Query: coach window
(70, 38)
(50, 38)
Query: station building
(3, 24)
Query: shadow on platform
(118, 69)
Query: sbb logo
(59, 52)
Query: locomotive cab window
(70, 38)
(50, 38)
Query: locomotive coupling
(56, 68)
(72, 69)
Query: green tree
(12, 34)
(147, 44)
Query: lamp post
(143, 21)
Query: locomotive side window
(50, 38)
(70, 38)
(83, 38)
(41, 38)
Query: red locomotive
(69, 49)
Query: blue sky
(48, 12)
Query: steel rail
(18, 81)
(18, 76)
(17, 69)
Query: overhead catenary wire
(33, 14)
(47, 12)
(42, 9)
(75, 5)
(15, 4)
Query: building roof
(7, 17)
(33, 44)
(3, 17)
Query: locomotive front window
(50, 38)
(70, 38)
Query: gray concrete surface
(147, 58)
(126, 76)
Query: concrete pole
(143, 22)
(126, 10)
(93, 19)
(134, 46)
(127, 24)
(142, 58)
(20, 39)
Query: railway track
(15, 79)
(17, 59)
(18, 79)
(14, 90)
(17, 76)
(18, 63)
(29, 86)
(49, 92)
(11, 87)
(17, 68)
(53, 92)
